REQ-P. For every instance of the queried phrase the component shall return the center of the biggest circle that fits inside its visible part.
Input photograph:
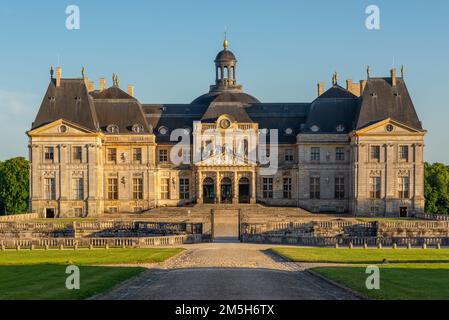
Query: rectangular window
(112, 155)
(267, 188)
(375, 153)
(404, 187)
(137, 188)
(113, 209)
(186, 155)
(78, 188)
(403, 153)
(287, 188)
(77, 154)
(315, 188)
(78, 212)
(339, 188)
(165, 189)
(163, 156)
(340, 154)
(315, 154)
(49, 154)
(184, 188)
(112, 189)
(374, 188)
(288, 155)
(137, 155)
(50, 189)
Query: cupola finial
(226, 42)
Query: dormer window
(137, 128)
(315, 128)
(289, 131)
(340, 128)
(163, 131)
(113, 129)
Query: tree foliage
(14, 186)
(437, 188)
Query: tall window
(267, 188)
(78, 188)
(77, 154)
(50, 189)
(49, 154)
(315, 154)
(374, 188)
(315, 188)
(288, 155)
(375, 153)
(138, 188)
(112, 155)
(340, 154)
(137, 155)
(403, 153)
(404, 187)
(287, 188)
(165, 189)
(184, 188)
(113, 189)
(163, 156)
(339, 188)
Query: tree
(436, 188)
(14, 186)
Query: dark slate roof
(172, 116)
(280, 116)
(380, 100)
(111, 93)
(123, 113)
(330, 113)
(225, 55)
(226, 96)
(337, 91)
(70, 102)
(235, 109)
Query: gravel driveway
(227, 271)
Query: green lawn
(397, 281)
(362, 256)
(47, 282)
(40, 274)
(86, 256)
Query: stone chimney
(362, 86)
(320, 88)
(58, 76)
(102, 84)
(354, 88)
(131, 90)
(91, 86)
(393, 77)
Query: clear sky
(166, 49)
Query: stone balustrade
(99, 242)
(344, 241)
(19, 217)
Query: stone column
(64, 181)
(92, 181)
(217, 188)
(235, 196)
(199, 186)
(253, 199)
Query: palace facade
(357, 149)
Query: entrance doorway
(50, 213)
(403, 212)
(226, 190)
(244, 190)
(209, 190)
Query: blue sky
(166, 49)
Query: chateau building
(357, 149)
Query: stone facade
(357, 150)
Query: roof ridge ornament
(52, 72)
(402, 71)
(335, 78)
(83, 72)
(368, 71)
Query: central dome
(210, 97)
